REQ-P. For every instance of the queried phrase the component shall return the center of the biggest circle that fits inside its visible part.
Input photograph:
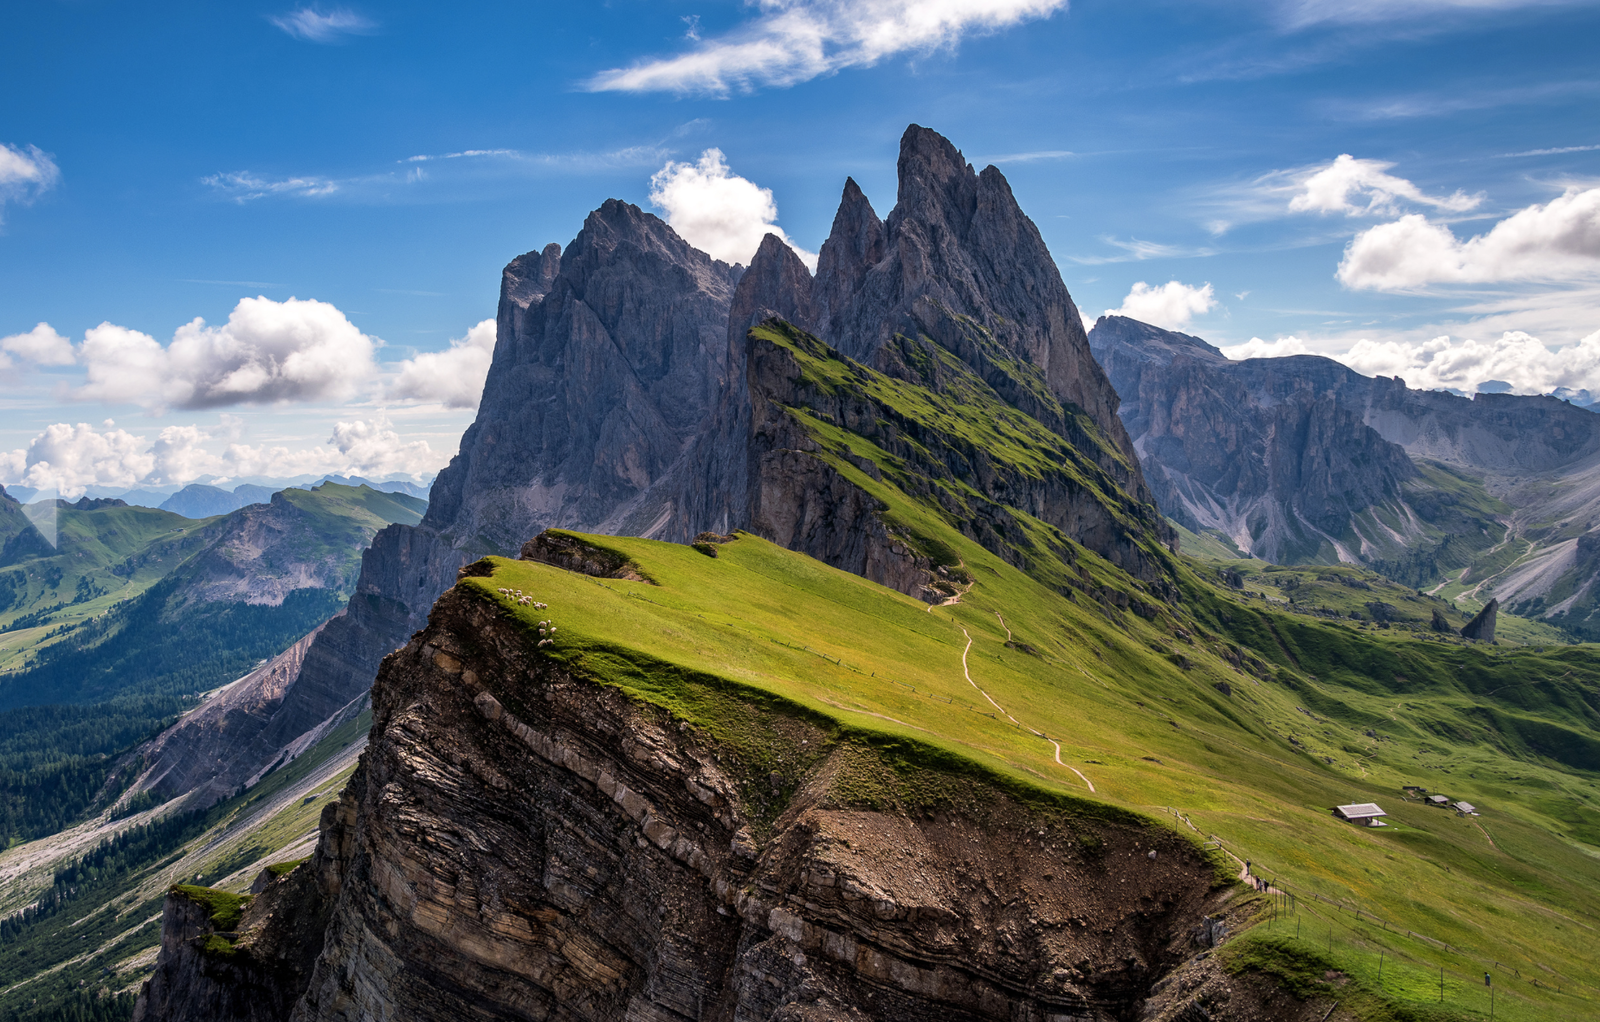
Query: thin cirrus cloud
(316, 26)
(470, 168)
(794, 41)
(1557, 241)
(25, 174)
(1297, 14)
(717, 211)
(1170, 306)
(1136, 250)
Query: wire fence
(1405, 965)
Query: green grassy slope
(116, 668)
(103, 557)
(1146, 731)
(1241, 717)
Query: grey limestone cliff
(1303, 459)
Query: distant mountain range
(1302, 460)
(134, 611)
(201, 500)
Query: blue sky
(168, 162)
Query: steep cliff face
(947, 441)
(1303, 459)
(595, 398)
(958, 261)
(523, 843)
(1282, 475)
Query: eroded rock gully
(522, 844)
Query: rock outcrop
(1481, 627)
(1282, 476)
(522, 843)
(220, 746)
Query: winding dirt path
(968, 673)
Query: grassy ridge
(1147, 732)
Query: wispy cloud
(1345, 185)
(1135, 250)
(461, 155)
(794, 41)
(242, 186)
(1454, 101)
(1296, 14)
(315, 26)
(25, 174)
(1548, 152)
(473, 168)
(1043, 154)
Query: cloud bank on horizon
(67, 458)
(794, 41)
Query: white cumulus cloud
(25, 174)
(1516, 358)
(68, 458)
(1354, 187)
(316, 26)
(793, 41)
(268, 351)
(1332, 188)
(716, 210)
(41, 346)
(453, 377)
(1255, 347)
(1170, 306)
(1555, 241)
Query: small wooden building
(1438, 800)
(1466, 808)
(1367, 814)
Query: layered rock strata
(522, 843)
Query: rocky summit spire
(853, 247)
(958, 262)
(597, 393)
(776, 284)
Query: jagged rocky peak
(958, 262)
(596, 392)
(524, 281)
(528, 277)
(776, 284)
